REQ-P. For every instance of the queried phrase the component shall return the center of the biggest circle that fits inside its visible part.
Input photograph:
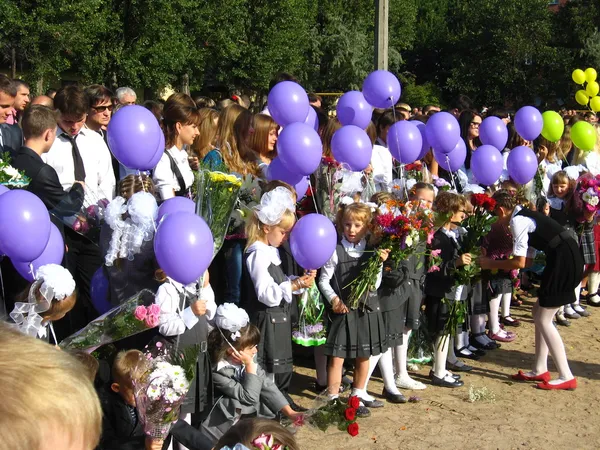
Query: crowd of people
(243, 315)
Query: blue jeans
(233, 250)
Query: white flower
(171, 395)
(153, 392)
(12, 172)
(181, 385)
(408, 241)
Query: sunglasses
(102, 108)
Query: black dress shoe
(362, 411)
(459, 368)
(371, 404)
(393, 398)
(454, 375)
(443, 382)
(293, 404)
(460, 353)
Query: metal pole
(381, 34)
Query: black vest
(346, 271)
(249, 300)
(546, 229)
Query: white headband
(349, 200)
(273, 206)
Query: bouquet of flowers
(9, 176)
(137, 314)
(217, 197)
(310, 331)
(400, 232)
(161, 389)
(413, 171)
(329, 182)
(589, 190)
(249, 197)
(336, 412)
(441, 184)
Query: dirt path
(521, 417)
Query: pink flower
(430, 238)
(263, 441)
(277, 447)
(437, 252)
(154, 309)
(151, 321)
(140, 313)
(433, 269)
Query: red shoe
(543, 377)
(566, 386)
(496, 337)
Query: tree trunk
(185, 84)
(13, 63)
(40, 86)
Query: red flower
(385, 220)
(353, 429)
(350, 414)
(354, 402)
(483, 201)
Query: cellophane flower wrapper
(162, 388)
(329, 177)
(9, 176)
(420, 348)
(136, 315)
(87, 220)
(215, 202)
(249, 196)
(311, 329)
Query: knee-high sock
(554, 343)
(451, 358)
(373, 360)
(386, 366)
(321, 365)
(401, 355)
(441, 354)
(478, 323)
(577, 294)
(493, 315)
(593, 283)
(506, 304)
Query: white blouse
(328, 270)
(520, 227)
(268, 292)
(383, 166)
(173, 320)
(165, 179)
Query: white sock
(373, 360)
(593, 284)
(401, 355)
(577, 294)
(441, 354)
(506, 298)
(494, 325)
(362, 394)
(387, 372)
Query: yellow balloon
(578, 76)
(592, 88)
(590, 74)
(595, 104)
(582, 97)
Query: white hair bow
(274, 204)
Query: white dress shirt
(520, 227)
(173, 319)
(383, 165)
(328, 270)
(268, 292)
(164, 178)
(99, 176)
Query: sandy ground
(521, 417)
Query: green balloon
(583, 135)
(554, 126)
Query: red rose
(353, 429)
(350, 414)
(354, 402)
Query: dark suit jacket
(12, 138)
(119, 430)
(45, 183)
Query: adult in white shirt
(382, 161)
(173, 175)
(80, 154)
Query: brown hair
(57, 307)
(179, 108)
(359, 211)
(205, 142)
(97, 93)
(41, 384)
(449, 203)
(418, 186)
(225, 130)
(278, 183)
(372, 133)
(133, 184)
(381, 197)
(565, 145)
(241, 157)
(155, 108)
(561, 177)
(217, 345)
(247, 430)
(332, 126)
(263, 125)
(505, 199)
(37, 119)
(7, 86)
(128, 366)
(71, 101)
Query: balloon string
(139, 174)
(32, 270)
(312, 194)
(3, 312)
(450, 172)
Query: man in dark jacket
(11, 137)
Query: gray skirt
(357, 334)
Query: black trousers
(283, 381)
(83, 259)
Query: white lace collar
(272, 253)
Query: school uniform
(122, 428)
(564, 261)
(415, 265)
(498, 244)
(393, 296)
(360, 333)
(173, 176)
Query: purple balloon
(352, 146)
(301, 187)
(99, 292)
(134, 136)
(312, 241)
(52, 254)
(381, 89)
(454, 160)
(24, 225)
(277, 171)
(299, 147)
(522, 164)
(311, 119)
(3, 189)
(493, 131)
(184, 246)
(404, 141)
(160, 149)
(443, 132)
(487, 164)
(175, 204)
(425, 147)
(529, 123)
(288, 103)
(353, 109)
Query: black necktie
(77, 161)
